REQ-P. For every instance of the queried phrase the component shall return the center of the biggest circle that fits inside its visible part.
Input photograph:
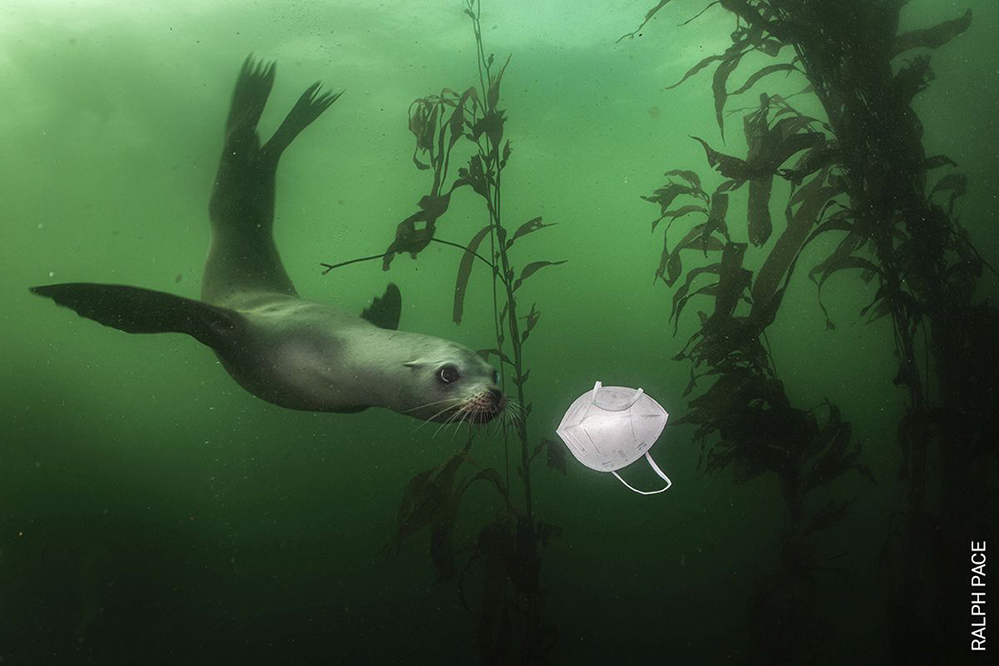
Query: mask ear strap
(655, 468)
(635, 398)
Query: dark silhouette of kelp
(746, 413)
(863, 173)
(504, 557)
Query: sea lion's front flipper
(136, 310)
(386, 310)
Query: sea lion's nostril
(496, 395)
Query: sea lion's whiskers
(451, 418)
(494, 427)
(450, 421)
(465, 412)
(511, 407)
(519, 414)
(514, 412)
(454, 403)
(435, 402)
(506, 421)
(517, 407)
(436, 432)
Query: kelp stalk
(507, 547)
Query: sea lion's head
(455, 384)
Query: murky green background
(153, 512)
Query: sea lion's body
(305, 355)
(284, 349)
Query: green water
(151, 511)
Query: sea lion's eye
(448, 374)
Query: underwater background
(151, 511)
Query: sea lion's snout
(486, 405)
(499, 400)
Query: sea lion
(282, 348)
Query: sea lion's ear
(415, 364)
(385, 311)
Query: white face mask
(611, 427)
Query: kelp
(744, 419)
(753, 427)
(504, 556)
(896, 229)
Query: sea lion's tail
(136, 310)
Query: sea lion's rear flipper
(136, 310)
(386, 310)
(308, 107)
(253, 87)
(243, 257)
